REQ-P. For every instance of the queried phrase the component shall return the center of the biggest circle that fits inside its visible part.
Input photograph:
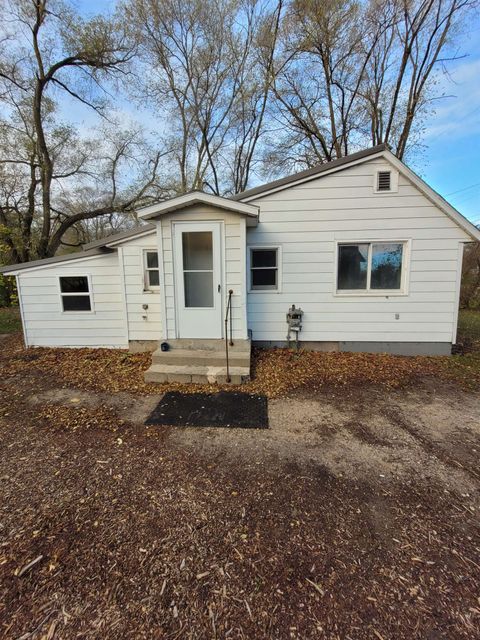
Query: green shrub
(8, 291)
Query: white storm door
(198, 279)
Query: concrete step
(211, 358)
(207, 345)
(195, 373)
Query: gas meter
(294, 322)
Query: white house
(370, 253)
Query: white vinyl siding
(308, 221)
(47, 325)
(143, 324)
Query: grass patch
(469, 324)
(10, 320)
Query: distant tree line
(470, 291)
(232, 90)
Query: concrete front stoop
(200, 361)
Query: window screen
(264, 268)
(386, 270)
(75, 293)
(352, 266)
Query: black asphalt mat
(223, 409)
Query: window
(371, 266)
(264, 268)
(75, 293)
(152, 277)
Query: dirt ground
(354, 516)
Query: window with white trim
(152, 274)
(264, 268)
(371, 266)
(75, 293)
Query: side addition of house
(368, 251)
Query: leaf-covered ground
(275, 372)
(355, 516)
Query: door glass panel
(197, 250)
(198, 288)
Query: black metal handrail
(228, 316)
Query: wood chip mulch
(108, 531)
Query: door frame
(177, 227)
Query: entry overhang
(199, 198)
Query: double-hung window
(152, 276)
(75, 292)
(371, 267)
(264, 268)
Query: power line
(477, 184)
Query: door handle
(219, 288)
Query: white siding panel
(307, 220)
(46, 324)
(143, 324)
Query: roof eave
(118, 238)
(197, 198)
(434, 197)
(310, 174)
(15, 269)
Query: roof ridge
(311, 172)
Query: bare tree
(55, 53)
(350, 73)
(211, 62)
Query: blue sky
(450, 162)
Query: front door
(198, 279)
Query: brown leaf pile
(279, 371)
(275, 372)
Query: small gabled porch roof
(199, 198)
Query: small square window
(264, 269)
(152, 274)
(75, 293)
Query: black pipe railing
(228, 316)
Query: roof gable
(380, 151)
(198, 197)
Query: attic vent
(384, 181)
